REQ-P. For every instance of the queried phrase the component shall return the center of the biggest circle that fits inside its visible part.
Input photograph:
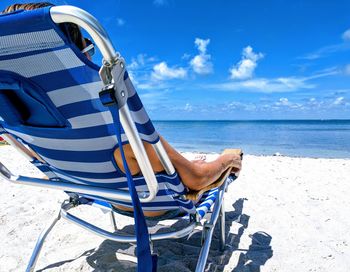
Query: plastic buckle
(107, 96)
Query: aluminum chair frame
(113, 67)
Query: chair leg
(39, 244)
(207, 234)
(221, 222)
(203, 255)
(208, 228)
(113, 221)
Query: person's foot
(198, 158)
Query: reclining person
(195, 174)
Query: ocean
(302, 138)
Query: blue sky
(233, 59)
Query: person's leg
(199, 174)
(194, 174)
(131, 160)
(135, 169)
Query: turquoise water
(307, 138)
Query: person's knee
(130, 159)
(196, 176)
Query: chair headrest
(27, 31)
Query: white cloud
(285, 105)
(133, 65)
(140, 69)
(162, 71)
(141, 61)
(312, 101)
(245, 67)
(264, 85)
(154, 101)
(120, 22)
(326, 51)
(201, 63)
(132, 77)
(202, 45)
(186, 56)
(160, 2)
(272, 85)
(339, 101)
(283, 102)
(346, 35)
(237, 105)
(347, 69)
(188, 107)
(330, 49)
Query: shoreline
(277, 154)
(264, 155)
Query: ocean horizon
(313, 138)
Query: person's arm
(195, 175)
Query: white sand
(302, 203)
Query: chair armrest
(65, 186)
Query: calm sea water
(327, 139)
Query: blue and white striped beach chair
(74, 115)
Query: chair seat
(202, 206)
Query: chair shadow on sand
(256, 256)
(182, 254)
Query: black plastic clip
(107, 96)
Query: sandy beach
(282, 214)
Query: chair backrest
(49, 100)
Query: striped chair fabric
(36, 58)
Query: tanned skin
(194, 174)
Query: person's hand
(236, 163)
(235, 157)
